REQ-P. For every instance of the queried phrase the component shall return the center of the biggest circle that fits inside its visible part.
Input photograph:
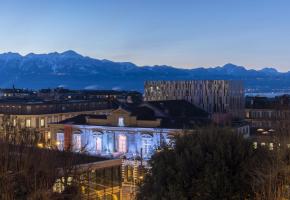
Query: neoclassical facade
(121, 134)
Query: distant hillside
(70, 69)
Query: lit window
(263, 144)
(60, 141)
(76, 142)
(121, 121)
(58, 186)
(129, 173)
(42, 123)
(271, 146)
(146, 145)
(48, 135)
(28, 123)
(122, 144)
(99, 144)
(255, 144)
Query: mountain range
(72, 70)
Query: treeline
(213, 164)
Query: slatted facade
(213, 96)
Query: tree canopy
(210, 164)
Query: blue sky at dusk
(182, 33)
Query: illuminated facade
(118, 135)
(128, 132)
(114, 141)
(213, 96)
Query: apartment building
(268, 115)
(36, 114)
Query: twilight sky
(182, 33)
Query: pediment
(121, 111)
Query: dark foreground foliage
(214, 164)
(30, 173)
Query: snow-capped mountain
(73, 70)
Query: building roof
(278, 102)
(143, 113)
(34, 101)
(173, 114)
(16, 90)
(179, 108)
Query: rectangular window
(48, 135)
(28, 123)
(122, 144)
(255, 144)
(76, 142)
(248, 114)
(60, 141)
(42, 124)
(146, 145)
(271, 146)
(99, 144)
(121, 121)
